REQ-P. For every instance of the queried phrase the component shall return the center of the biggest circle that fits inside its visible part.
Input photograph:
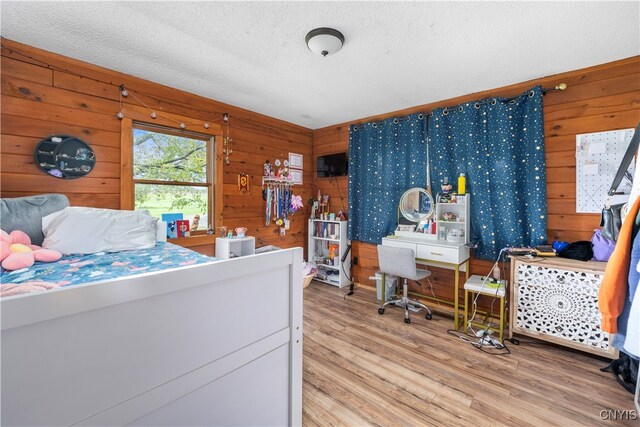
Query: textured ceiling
(396, 55)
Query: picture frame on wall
(295, 161)
(296, 176)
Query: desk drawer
(439, 253)
(398, 244)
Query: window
(173, 172)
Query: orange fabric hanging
(613, 289)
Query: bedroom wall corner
(44, 93)
(598, 98)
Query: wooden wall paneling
(105, 200)
(43, 93)
(28, 182)
(126, 164)
(15, 68)
(598, 98)
(16, 163)
(25, 89)
(75, 68)
(218, 205)
(37, 128)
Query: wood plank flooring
(361, 368)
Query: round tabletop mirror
(416, 204)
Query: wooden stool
(472, 287)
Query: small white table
(483, 285)
(235, 247)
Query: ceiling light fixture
(325, 41)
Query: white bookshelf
(331, 233)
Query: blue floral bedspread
(81, 269)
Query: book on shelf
(327, 230)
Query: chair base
(406, 303)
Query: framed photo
(295, 161)
(296, 176)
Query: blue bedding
(81, 269)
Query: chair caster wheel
(514, 341)
(406, 320)
(428, 316)
(381, 311)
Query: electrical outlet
(355, 260)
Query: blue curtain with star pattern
(386, 158)
(498, 143)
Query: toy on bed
(16, 251)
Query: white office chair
(401, 262)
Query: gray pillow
(25, 213)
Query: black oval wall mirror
(65, 157)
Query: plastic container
(462, 185)
(391, 283)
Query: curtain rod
(561, 86)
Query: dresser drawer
(399, 244)
(439, 253)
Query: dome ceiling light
(325, 41)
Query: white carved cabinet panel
(556, 300)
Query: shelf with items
(452, 220)
(331, 267)
(328, 244)
(236, 247)
(325, 238)
(276, 180)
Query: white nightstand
(231, 248)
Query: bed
(209, 343)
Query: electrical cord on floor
(351, 282)
(352, 287)
(479, 343)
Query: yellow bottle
(462, 185)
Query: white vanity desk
(435, 249)
(439, 253)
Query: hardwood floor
(361, 368)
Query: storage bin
(307, 280)
(391, 284)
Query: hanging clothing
(613, 289)
(634, 273)
(632, 340)
(386, 158)
(498, 144)
(635, 190)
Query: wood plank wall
(44, 93)
(598, 98)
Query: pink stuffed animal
(16, 251)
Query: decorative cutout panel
(560, 303)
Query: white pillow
(77, 230)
